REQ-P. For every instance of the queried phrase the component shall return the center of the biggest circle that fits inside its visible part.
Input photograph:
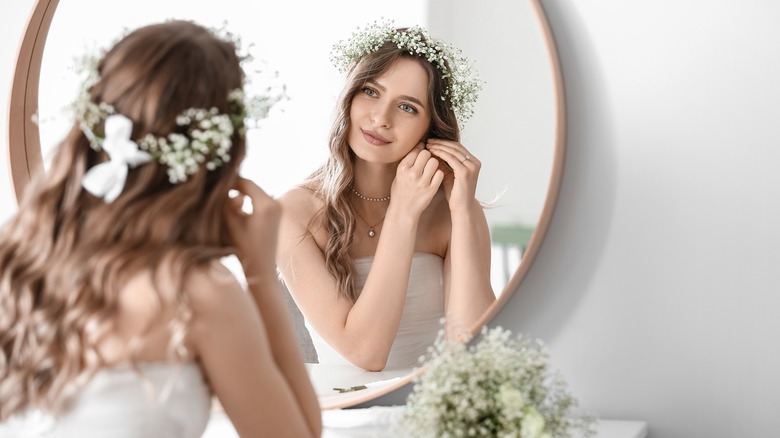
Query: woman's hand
(460, 185)
(417, 180)
(254, 233)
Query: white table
(375, 422)
(326, 377)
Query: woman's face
(390, 114)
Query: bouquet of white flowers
(498, 387)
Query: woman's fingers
(251, 210)
(431, 165)
(253, 199)
(438, 177)
(460, 186)
(416, 180)
(408, 161)
(420, 163)
(252, 219)
(454, 154)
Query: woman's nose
(380, 116)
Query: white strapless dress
(165, 400)
(421, 319)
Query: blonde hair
(332, 181)
(65, 255)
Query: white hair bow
(107, 180)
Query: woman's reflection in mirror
(117, 316)
(386, 239)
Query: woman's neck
(374, 180)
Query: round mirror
(517, 130)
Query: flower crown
(464, 84)
(205, 137)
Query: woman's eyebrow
(383, 89)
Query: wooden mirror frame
(24, 152)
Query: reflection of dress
(421, 319)
(164, 400)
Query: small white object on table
(327, 377)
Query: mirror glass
(514, 131)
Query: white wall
(656, 287)
(513, 128)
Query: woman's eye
(408, 108)
(369, 91)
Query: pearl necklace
(366, 198)
(371, 232)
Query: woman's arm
(467, 288)
(262, 392)
(276, 360)
(362, 332)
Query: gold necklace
(371, 232)
(367, 198)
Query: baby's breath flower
(463, 82)
(206, 135)
(498, 387)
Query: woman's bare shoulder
(164, 284)
(301, 190)
(206, 285)
(302, 209)
(299, 205)
(300, 197)
(214, 275)
(215, 295)
(151, 299)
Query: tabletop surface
(376, 422)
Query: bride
(387, 238)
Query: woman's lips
(374, 138)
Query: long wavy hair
(65, 255)
(332, 181)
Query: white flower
(207, 134)
(497, 387)
(464, 83)
(533, 424)
(511, 399)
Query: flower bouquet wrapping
(500, 386)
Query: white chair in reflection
(509, 242)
